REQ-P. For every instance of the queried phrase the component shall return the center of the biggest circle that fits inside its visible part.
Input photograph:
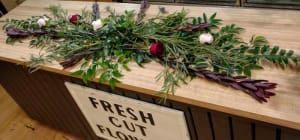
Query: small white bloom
(45, 18)
(97, 24)
(206, 38)
(42, 21)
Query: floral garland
(187, 47)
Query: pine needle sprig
(58, 13)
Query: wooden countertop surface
(280, 27)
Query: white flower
(97, 24)
(206, 38)
(42, 21)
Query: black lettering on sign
(133, 138)
(121, 135)
(113, 122)
(106, 106)
(131, 113)
(101, 129)
(149, 117)
(120, 110)
(93, 101)
(132, 127)
(126, 112)
(110, 133)
(142, 128)
(116, 134)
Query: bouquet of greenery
(186, 47)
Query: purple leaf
(266, 85)
(12, 32)
(240, 77)
(228, 79)
(191, 27)
(237, 86)
(194, 69)
(70, 62)
(212, 76)
(246, 81)
(199, 75)
(249, 86)
(268, 94)
(257, 98)
(18, 33)
(260, 93)
(256, 81)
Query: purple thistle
(96, 12)
(144, 6)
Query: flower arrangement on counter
(186, 47)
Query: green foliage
(58, 13)
(10, 40)
(27, 24)
(104, 53)
(260, 49)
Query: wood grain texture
(188, 117)
(16, 125)
(265, 132)
(221, 126)
(281, 27)
(201, 120)
(241, 129)
(287, 134)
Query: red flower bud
(75, 18)
(157, 49)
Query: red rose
(75, 18)
(157, 49)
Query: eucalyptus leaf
(104, 77)
(282, 52)
(247, 72)
(290, 53)
(274, 50)
(77, 73)
(117, 74)
(112, 83)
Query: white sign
(115, 117)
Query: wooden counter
(280, 27)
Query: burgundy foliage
(258, 89)
(18, 33)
